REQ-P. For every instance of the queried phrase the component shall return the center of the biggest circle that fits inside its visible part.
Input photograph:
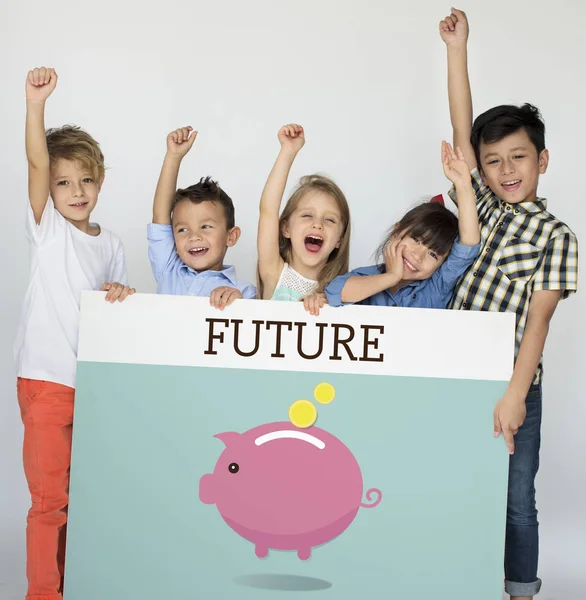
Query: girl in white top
(69, 254)
(301, 250)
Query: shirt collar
(229, 272)
(539, 205)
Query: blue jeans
(522, 538)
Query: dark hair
(500, 121)
(207, 191)
(432, 223)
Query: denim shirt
(434, 292)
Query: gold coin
(302, 413)
(324, 393)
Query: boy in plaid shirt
(528, 263)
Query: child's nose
(420, 253)
(507, 167)
(77, 190)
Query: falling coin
(302, 413)
(324, 393)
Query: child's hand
(40, 83)
(455, 166)
(116, 291)
(180, 141)
(454, 28)
(509, 415)
(394, 258)
(224, 296)
(313, 303)
(292, 137)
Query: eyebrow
(516, 149)
(327, 213)
(210, 220)
(84, 176)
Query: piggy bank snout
(207, 489)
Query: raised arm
(40, 83)
(457, 171)
(179, 143)
(454, 32)
(270, 263)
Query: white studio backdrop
(367, 80)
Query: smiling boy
(191, 232)
(69, 254)
(528, 263)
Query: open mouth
(313, 243)
(79, 205)
(409, 266)
(511, 186)
(198, 251)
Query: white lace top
(292, 286)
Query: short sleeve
(482, 192)
(162, 253)
(249, 292)
(118, 268)
(52, 224)
(559, 266)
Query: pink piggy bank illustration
(286, 488)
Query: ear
(543, 161)
(285, 229)
(233, 236)
(101, 183)
(228, 437)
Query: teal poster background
(143, 437)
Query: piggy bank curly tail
(369, 494)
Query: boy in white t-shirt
(68, 254)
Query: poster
(261, 452)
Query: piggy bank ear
(228, 437)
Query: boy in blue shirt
(191, 232)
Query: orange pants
(47, 414)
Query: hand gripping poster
(262, 452)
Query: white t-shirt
(64, 261)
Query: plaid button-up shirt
(524, 249)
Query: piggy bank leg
(261, 550)
(304, 553)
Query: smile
(511, 185)
(198, 251)
(313, 243)
(78, 205)
(409, 265)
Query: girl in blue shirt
(424, 254)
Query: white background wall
(367, 80)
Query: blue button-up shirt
(434, 292)
(174, 277)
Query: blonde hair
(72, 143)
(339, 259)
